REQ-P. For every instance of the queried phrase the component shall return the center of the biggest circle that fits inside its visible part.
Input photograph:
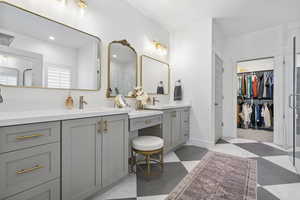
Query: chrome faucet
(81, 103)
(1, 98)
(154, 101)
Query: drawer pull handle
(186, 121)
(99, 126)
(105, 126)
(148, 121)
(25, 137)
(24, 171)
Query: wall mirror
(41, 53)
(122, 68)
(155, 76)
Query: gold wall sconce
(162, 49)
(82, 3)
(79, 3)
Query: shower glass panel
(293, 89)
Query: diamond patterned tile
(190, 153)
(221, 141)
(282, 161)
(171, 157)
(190, 165)
(285, 191)
(164, 183)
(233, 150)
(261, 149)
(263, 194)
(269, 173)
(125, 189)
(158, 197)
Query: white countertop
(166, 106)
(143, 113)
(16, 118)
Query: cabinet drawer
(145, 122)
(24, 169)
(29, 135)
(47, 191)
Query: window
(8, 80)
(59, 77)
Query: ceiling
(233, 16)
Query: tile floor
(277, 178)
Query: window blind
(59, 77)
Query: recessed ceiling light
(114, 56)
(51, 38)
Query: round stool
(147, 146)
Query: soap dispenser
(69, 103)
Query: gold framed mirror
(155, 76)
(122, 69)
(46, 53)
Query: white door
(218, 98)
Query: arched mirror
(122, 68)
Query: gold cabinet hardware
(25, 137)
(24, 171)
(105, 126)
(148, 121)
(99, 126)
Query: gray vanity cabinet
(171, 129)
(81, 158)
(114, 149)
(94, 154)
(175, 127)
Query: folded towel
(178, 93)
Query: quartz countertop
(166, 106)
(27, 117)
(143, 113)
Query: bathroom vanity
(175, 124)
(74, 154)
(79, 153)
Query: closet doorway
(255, 95)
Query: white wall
(191, 61)
(264, 43)
(108, 19)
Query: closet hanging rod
(254, 59)
(269, 70)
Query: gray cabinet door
(81, 158)
(47, 191)
(185, 125)
(167, 131)
(114, 148)
(176, 128)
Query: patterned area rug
(219, 177)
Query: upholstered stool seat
(147, 143)
(147, 146)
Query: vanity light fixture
(79, 3)
(162, 49)
(82, 3)
(114, 56)
(51, 38)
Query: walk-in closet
(255, 95)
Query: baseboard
(200, 143)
